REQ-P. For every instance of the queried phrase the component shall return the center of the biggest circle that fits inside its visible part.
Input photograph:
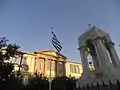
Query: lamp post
(50, 79)
(3, 50)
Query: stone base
(99, 76)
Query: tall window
(52, 66)
(75, 69)
(60, 67)
(40, 65)
(78, 69)
(71, 68)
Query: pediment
(51, 52)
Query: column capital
(111, 44)
(82, 47)
(94, 41)
(96, 38)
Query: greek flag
(56, 43)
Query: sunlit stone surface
(99, 45)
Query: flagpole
(58, 47)
(50, 73)
(50, 79)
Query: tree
(63, 83)
(37, 82)
(11, 50)
(6, 52)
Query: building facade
(26, 62)
(41, 60)
(45, 58)
(73, 69)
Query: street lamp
(3, 52)
(91, 66)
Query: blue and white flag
(56, 42)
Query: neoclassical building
(46, 57)
(40, 61)
(73, 69)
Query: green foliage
(11, 49)
(7, 78)
(63, 83)
(5, 71)
(37, 82)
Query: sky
(28, 22)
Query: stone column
(113, 54)
(84, 59)
(102, 54)
(57, 67)
(64, 68)
(45, 67)
(96, 59)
